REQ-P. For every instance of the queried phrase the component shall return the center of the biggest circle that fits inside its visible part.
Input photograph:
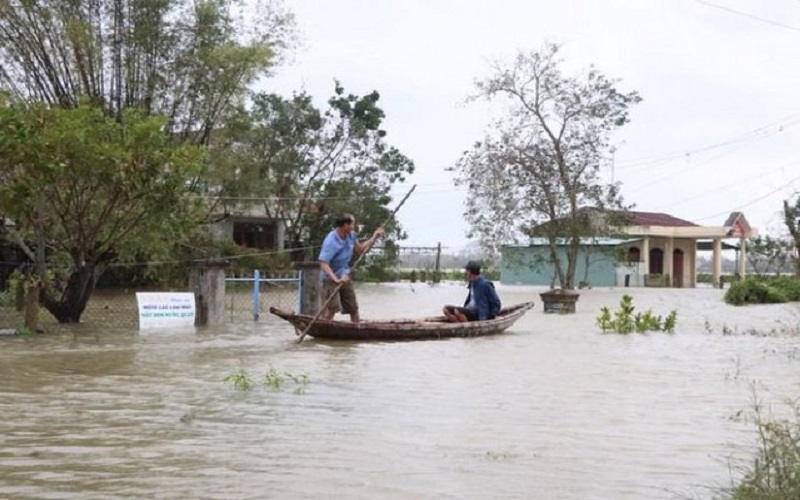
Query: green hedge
(755, 290)
(378, 275)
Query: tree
(184, 59)
(791, 217)
(768, 255)
(85, 189)
(305, 165)
(538, 167)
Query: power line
(749, 203)
(757, 133)
(682, 170)
(726, 186)
(748, 15)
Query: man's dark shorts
(471, 314)
(345, 299)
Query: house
(248, 224)
(657, 250)
(596, 265)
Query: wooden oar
(358, 260)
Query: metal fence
(250, 296)
(247, 298)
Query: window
(253, 235)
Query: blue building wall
(531, 265)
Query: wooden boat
(405, 329)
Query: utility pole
(437, 274)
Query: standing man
(482, 301)
(334, 258)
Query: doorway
(677, 268)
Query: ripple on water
(552, 409)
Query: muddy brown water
(550, 409)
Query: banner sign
(160, 309)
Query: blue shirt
(337, 252)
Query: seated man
(482, 301)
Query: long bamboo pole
(358, 261)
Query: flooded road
(551, 409)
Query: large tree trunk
(70, 306)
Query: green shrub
(763, 290)
(789, 285)
(625, 320)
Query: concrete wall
(532, 266)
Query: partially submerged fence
(251, 296)
(247, 298)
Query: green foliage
(240, 381)
(92, 190)
(767, 255)
(273, 379)
(308, 165)
(7, 298)
(774, 473)
(185, 59)
(791, 217)
(670, 322)
(388, 275)
(763, 290)
(539, 166)
(625, 320)
(25, 332)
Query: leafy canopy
(538, 167)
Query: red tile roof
(657, 219)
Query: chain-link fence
(113, 303)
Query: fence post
(207, 281)
(32, 307)
(256, 293)
(310, 289)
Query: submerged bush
(763, 290)
(625, 320)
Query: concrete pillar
(207, 281)
(310, 287)
(280, 235)
(742, 257)
(646, 255)
(717, 262)
(669, 248)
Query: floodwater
(551, 409)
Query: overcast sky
(718, 129)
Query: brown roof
(657, 219)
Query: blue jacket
(486, 300)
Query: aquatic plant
(25, 331)
(276, 380)
(301, 382)
(625, 320)
(273, 379)
(239, 381)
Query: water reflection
(552, 409)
